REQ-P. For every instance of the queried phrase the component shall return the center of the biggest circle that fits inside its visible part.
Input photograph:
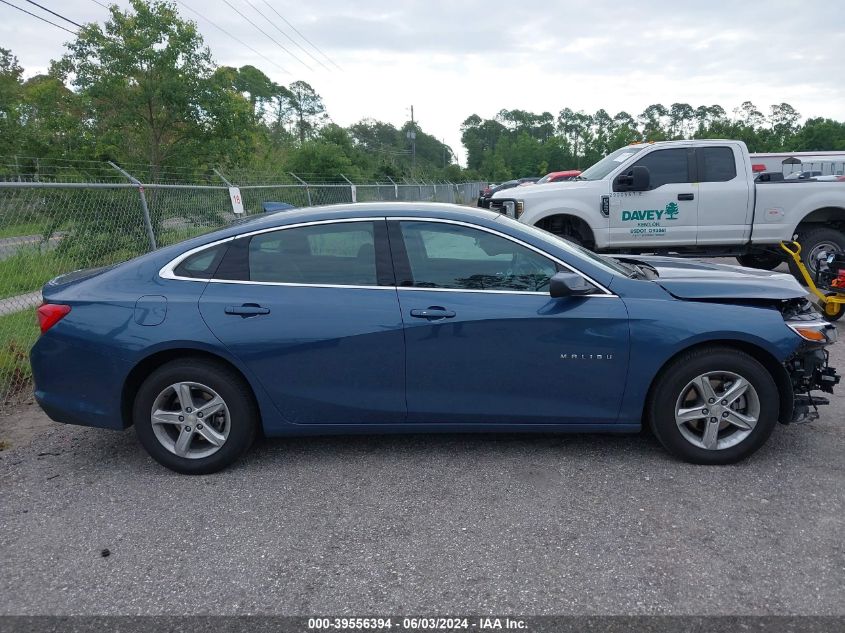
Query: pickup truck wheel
(813, 242)
(713, 405)
(763, 261)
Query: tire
(759, 400)
(217, 438)
(763, 261)
(813, 241)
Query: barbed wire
(22, 168)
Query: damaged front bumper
(809, 370)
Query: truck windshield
(609, 163)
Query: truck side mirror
(638, 179)
(569, 285)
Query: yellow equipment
(831, 299)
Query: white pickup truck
(695, 198)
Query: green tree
(11, 91)
(681, 120)
(819, 135)
(326, 156)
(308, 109)
(783, 119)
(653, 120)
(55, 120)
(147, 78)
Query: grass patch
(166, 237)
(18, 332)
(23, 229)
(29, 269)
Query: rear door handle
(247, 310)
(686, 196)
(433, 313)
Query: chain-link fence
(50, 228)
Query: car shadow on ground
(102, 451)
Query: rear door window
(340, 253)
(716, 164)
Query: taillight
(49, 314)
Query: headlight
(815, 331)
(512, 208)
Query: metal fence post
(144, 208)
(352, 188)
(222, 177)
(304, 184)
(395, 187)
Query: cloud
(451, 59)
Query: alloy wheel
(190, 420)
(717, 410)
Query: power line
(273, 24)
(242, 43)
(295, 30)
(54, 13)
(231, 6)
(58, 26)
(105, 6)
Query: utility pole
(412, 136)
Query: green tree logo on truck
(672, 211)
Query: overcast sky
(454, 58)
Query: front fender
(660, 331)
(590, 214)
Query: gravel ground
(437, 524)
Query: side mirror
(639, 179)
(569, 285)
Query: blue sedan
(384, 318)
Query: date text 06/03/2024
(417, 623)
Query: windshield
(609, 163)
(607, 263)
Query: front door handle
(686, 196)
(247, 310)
(433, 313)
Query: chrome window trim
(166, 271)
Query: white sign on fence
(237, 201)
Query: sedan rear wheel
(195, 416)
(190, 420)
(713, 405)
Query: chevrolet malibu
(385, 318)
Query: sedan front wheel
(713, 405)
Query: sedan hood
(693, 279)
